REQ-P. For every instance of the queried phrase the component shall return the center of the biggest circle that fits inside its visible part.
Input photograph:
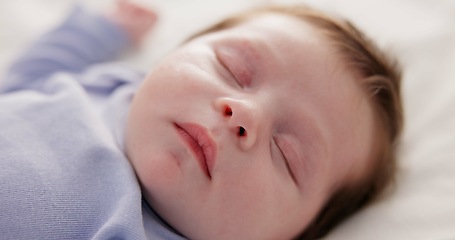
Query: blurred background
(421, 33)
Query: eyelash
(288, 167)
(232, 75)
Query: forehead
(287, 49)
(273, 28)
(278, 42)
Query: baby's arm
(134, 19)
(82, 39)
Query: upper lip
(200, 143)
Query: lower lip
(203, 154)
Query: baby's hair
(380, 75)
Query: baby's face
(246, 132)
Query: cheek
(253, 185)
(150, 143)
(258, 202)
(166, 88)
(154, 165)
(162, 82)
(156, 170)
(254, 191)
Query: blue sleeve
(81, 40)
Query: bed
(420, 32)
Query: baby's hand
(134, 19)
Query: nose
(243, 119)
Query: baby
(276, 123)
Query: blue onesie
(63, 173)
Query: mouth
(200, 143)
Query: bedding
(420, 33)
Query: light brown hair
(381, 76)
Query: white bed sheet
(420, 32)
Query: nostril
(242, 132)
(228, 111)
